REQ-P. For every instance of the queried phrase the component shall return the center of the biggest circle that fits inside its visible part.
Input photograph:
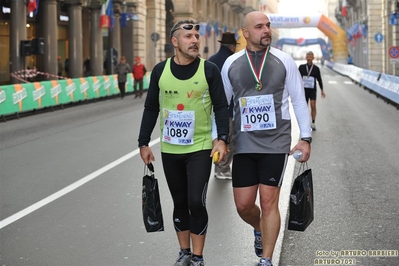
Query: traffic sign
(393, 52)
(155, 36)
(378, 37)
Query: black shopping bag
(152, 211)
(301, 201)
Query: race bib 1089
(178, 127)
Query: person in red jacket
(138, 75)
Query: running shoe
(184, 258)
(265, 262)
(258, 244)
(313, 126)
(195, 261)
(223, 175)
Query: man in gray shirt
(261, 79)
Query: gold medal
(257, 75)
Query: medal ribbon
(258, 75)
(309, 71)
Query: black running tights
(187, 176)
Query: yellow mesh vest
(187, 95)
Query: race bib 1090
(257, 113)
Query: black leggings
(188, 176)
(121, 86)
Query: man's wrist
(143, 146)
(224, 138)
(307, 139)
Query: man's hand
(221, 147)
(146, 155)
(303, 146)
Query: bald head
(252, 17)
(256, 31)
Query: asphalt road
(70, 191)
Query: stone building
(70, 29)
(370, 50)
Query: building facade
(70, 30)
(371, 34)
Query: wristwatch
(308, 140)
(225, 138)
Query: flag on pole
(107, 14)
(33, 6)
(344, 12)
(216, 28)
(208, 29)
(37, 8)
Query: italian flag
(106, 11)
(344, 13)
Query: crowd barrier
(25, 97)
(384, 85)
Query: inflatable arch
(305, 42)
(335, 33)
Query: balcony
(352, 3)
(237, 5)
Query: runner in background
(310, 73)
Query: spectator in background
(67, 67)
(60, 67)
(228, 46)
(139, 71)
(87, 67)
(350, 60)
(121, 69)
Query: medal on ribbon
(257, 75)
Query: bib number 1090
(257, 118)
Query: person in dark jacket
(121, 70)
(228, 45)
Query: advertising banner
(17, 98)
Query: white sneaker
(223, 175)
(313, 126)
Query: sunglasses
(186, 27)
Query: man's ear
(245, 33)
(174, 41)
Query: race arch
(335, 33)
(305, 42)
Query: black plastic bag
(152, 211)
(301, 201)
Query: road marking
(70, 188)
(283, 202)
(348, 82)
(332, 82)
(285, 191)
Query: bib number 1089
(177, 132)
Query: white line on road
(285, 191)
(283, 203)
(70, 188)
